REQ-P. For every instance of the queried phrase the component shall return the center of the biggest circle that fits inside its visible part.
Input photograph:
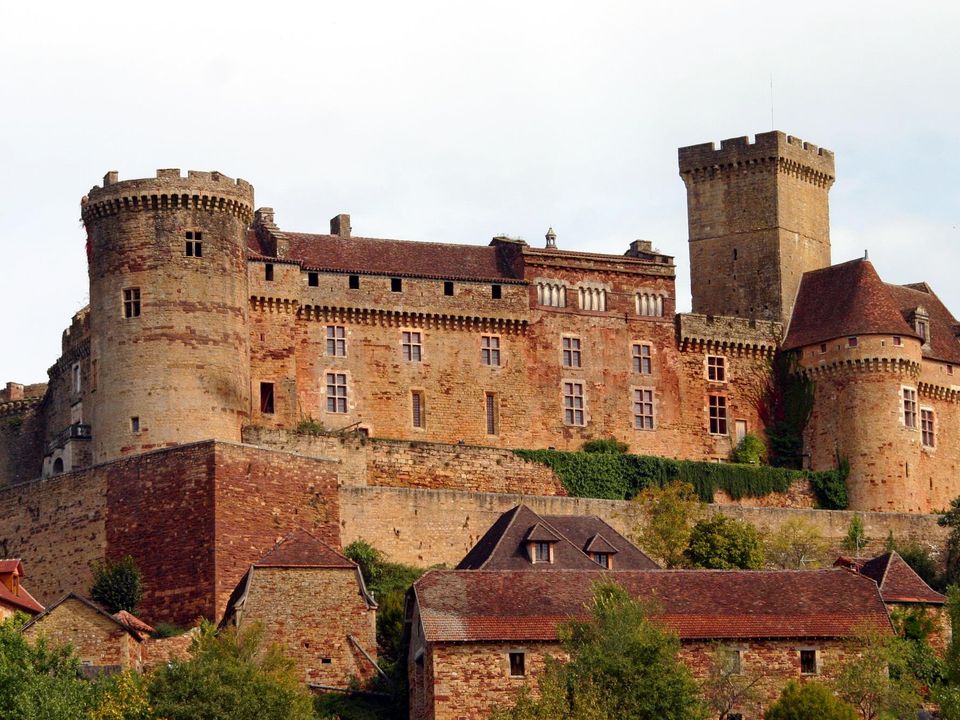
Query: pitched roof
(898, 582)
(374, 256)
(302, 549)
(22, 599)
(133, 625)
(465, 606)
(944, 329)
(503, 546)
(844, 300)
(11, 566)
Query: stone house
(104, 642)
(520, 539)
(13, 596)
(313, 603)
(477, 637)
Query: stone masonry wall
(431, 527)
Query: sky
(454, 122)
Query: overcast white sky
(454, 121)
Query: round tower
(168, 310)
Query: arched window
(649, 304)
(552, 294)
(58, 466)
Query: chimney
(640, 246)
(340, 225)
(551, 239)
(263, 216)
(110, 178)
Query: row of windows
(396, 284)
(554, 294)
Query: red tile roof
(944, 328)
(302, 549)
(398, 258)
(21, 600)
(503, 546)
(898, 582)
(466, 606)
(11, 566)
(844, 300)
(133, 625)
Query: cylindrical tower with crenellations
(168, 310)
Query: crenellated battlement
(169, 190)
(788, 152)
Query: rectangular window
(927, 436)
(734, 661)
(353, 282)
(808, 662)
(517, 664)
(76, 378)
(336, 340)
(643, 409)
(135, 424)
(716, 368)
(266, 398)
(602, 559)
(853, 342)
(910, 408)
(194, 246)
(396, 285)
(897, 341)
(571, 352)
(131, 302)
(416, 405)
(642, 358)
(496, 292)
(573, 404)
(313, 279)
(542, 552)
(490, 350)
(923, 331)
(718, 414)
(490, 402)
(336, 393)
(447, 287)
(823, 348)
(411, 346)
(268, 271)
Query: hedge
(620, 476)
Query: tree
(951, 519)
(809, 701)
(727, 688)
(875, 677)
(749, 451)
(665, 518)
(723, 543)
(117, 585)
(856, 538)
(622, 665)
(229, 675)
(797, 544)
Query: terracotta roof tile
(13, 565)
(23, 600)
(943, 326)
(844, 300)
(466, 606)
(897, 580)
(302, 549)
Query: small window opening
(491, 412)
(194, 248)
(353, 282)
(823, 348)
(416, 401)
(496, 291)
(734, 253)
(541, 552)
(602, 559)
(131, 302)
(58, 466)
(313, 279)
(396, 285)
(808, 662)
(853, 342)
(326, 661)
(135, 424)
(268, 271)
(517, 664)
(897, 341)
(266, 398)
(447, 287)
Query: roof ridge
(516, 511)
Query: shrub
(723, 543)
(749, 451)
(368, 558)
(807, 701)
(309, 426)
(605, 445)
(117, 585)
(830, 486)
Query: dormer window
(921, 323)
(542, 552)
(602, 559)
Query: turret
(758, 220)
(168, 310)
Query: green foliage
(795, 545)
(749, 451)
(875, 678)
(166, 630)
(337, 706)
(953, 650)
(723, 543)
(913, 622)
(230, 676)
(663, 519)
(117, 585)
(830, 486)
(605, 445)
(368, 558)
(784, 404)
(622, 665)
(856, 538)
(809, 701)
(14, 423)
(39, 681)
(727, 686)
(947, 697)
(309, 426)
(951, 519)
(122, 697)
(924, 664)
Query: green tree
(368, 558)
(117, 585)
(856, 539)
(230, 676)
(809, 701)
(749, 451)
(875, 677)
(797, 544)
(664, 518)
(727, 688)
(724, 543)
(122, 697)
(622, 665)
(951, 519)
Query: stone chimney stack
(340, 225)
(551, 239)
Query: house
(477, 637)
(312, 601)
(104, 642)
(520, 539)
(13, 596)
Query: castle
(206, 319)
